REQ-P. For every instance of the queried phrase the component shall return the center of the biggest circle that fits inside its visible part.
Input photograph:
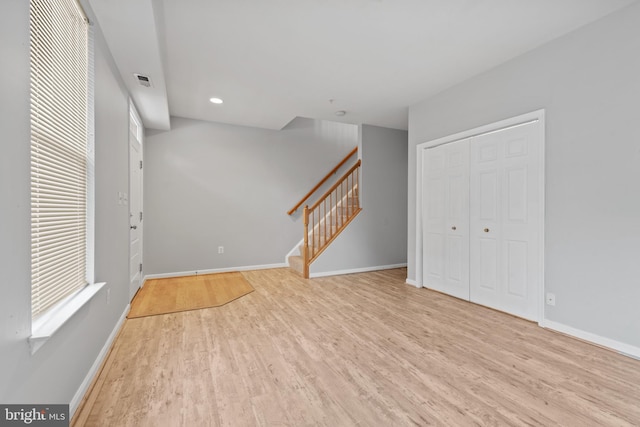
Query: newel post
(305, 246)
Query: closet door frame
(534, 116)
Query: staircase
(328, 217)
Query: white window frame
(45, 324)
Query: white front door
(135, 207)
(506, 196)
(446, 218)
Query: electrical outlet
(108, 295)
(551, 298)
(220, 249)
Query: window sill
(49, 323)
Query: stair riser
(296, 263)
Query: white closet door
(505, 202)
(446, 218)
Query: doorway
(135, 202)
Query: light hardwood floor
(355, 350)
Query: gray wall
(377, 236)
(588, 83)
(210, 184)
(56, 371)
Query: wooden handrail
(322, 181)
(336, 185)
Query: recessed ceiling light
(216, 100)
(340, 113)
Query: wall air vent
(143, 80)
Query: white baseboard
(620, 347)
(214, 270)
(357, 270)
(413, 283)
(82, 390)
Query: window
(61, 152)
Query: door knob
(454, 228)
(133, 227)
(486, 230)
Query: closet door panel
(516, 254)
(487, 279)
(434, 265)
(446, 219)
(433, 201)
(485, 256)
(505, 198)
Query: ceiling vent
(143, 80)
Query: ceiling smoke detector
(143, 80)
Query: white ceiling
(274, 60)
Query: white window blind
(59, 150)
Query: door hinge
(140, 267)
(140, 216)
(140, 164)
